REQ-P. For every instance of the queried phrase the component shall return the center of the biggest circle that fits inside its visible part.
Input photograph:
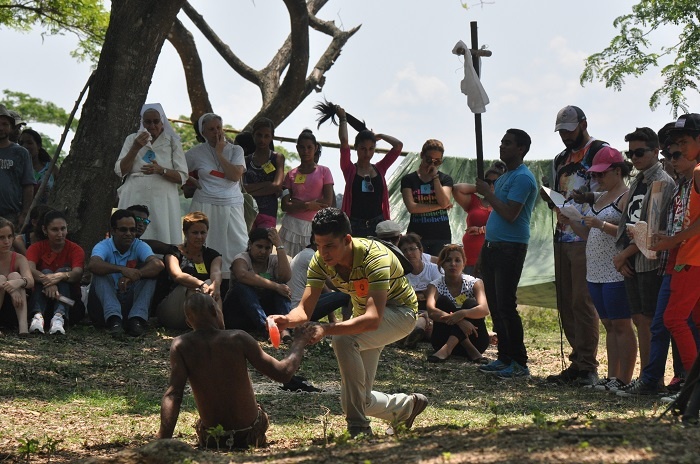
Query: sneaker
(565, 377)
(356, 431)
(674, 386)
(670, 399)
(37, 325)
(300, 384)
(638, 388)
(420, 402)
(493, 367)
(585, 378)
(613, 384)
(135, 327)
(57, 325)
(599, 383)
(114, 326)
(513, 371)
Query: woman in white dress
(154, 165)
(217, 168)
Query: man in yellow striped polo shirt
(384, 311)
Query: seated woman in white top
(423, 273)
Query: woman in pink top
(309, 187)
(478, 211)
(366, 197)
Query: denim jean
(654, 371)
(40, 303)
(329, 302)
(501, 267)
(107, 301)
(247, 307)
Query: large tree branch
(184, 44)
(224, 50)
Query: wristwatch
(165, 171)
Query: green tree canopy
(87, 19)
(631, 52)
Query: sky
(397, 72)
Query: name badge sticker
(460, 299)
(300, 178)
(426, 189)
(361, 287)
(218, 174)
(149, 156)
(201, 268)
(268, 167)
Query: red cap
(605, 157)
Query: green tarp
(537, 282)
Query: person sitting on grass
(258, 283)
(456, 302)
(420, 277)
(214, 361)
(123, 269)
(56, 263)
(15, 279)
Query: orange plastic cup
(274, 333)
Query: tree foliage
(87, 19)
(36, 110)
(631, 52)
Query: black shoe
(300, 384)
(114, 326)
(356, 431)
(565, 377)
(136, 327)
(586, 378)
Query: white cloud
(408, 87)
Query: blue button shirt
(135, 256)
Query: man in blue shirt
(124, 269)
(503, 254)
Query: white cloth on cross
(471, 85)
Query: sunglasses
(433, 161)
(669, 156)
(638, 153)
(146, 221)
(124, 230)
(598, 175)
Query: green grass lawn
(86, 394)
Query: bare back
(216, 367)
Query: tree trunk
(85, 189)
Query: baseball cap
(687, 123)
(5, 112)
(388, 229)
(665, 134)
(568, 118)
(605, 157)
(17, 118)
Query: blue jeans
(501, 267)
(105, 301)
(39, 303)
(654, 371)
(329, 302)
(247, 307)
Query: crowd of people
(625, 253)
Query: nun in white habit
(154, 167)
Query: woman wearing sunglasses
(427, 193)
(605, 284)
(366, 197)
(478, 210)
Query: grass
(86, 394)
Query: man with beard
(579, 318)
(16, 173)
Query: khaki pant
(579, 317)
(358, 357)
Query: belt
(502, 245)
